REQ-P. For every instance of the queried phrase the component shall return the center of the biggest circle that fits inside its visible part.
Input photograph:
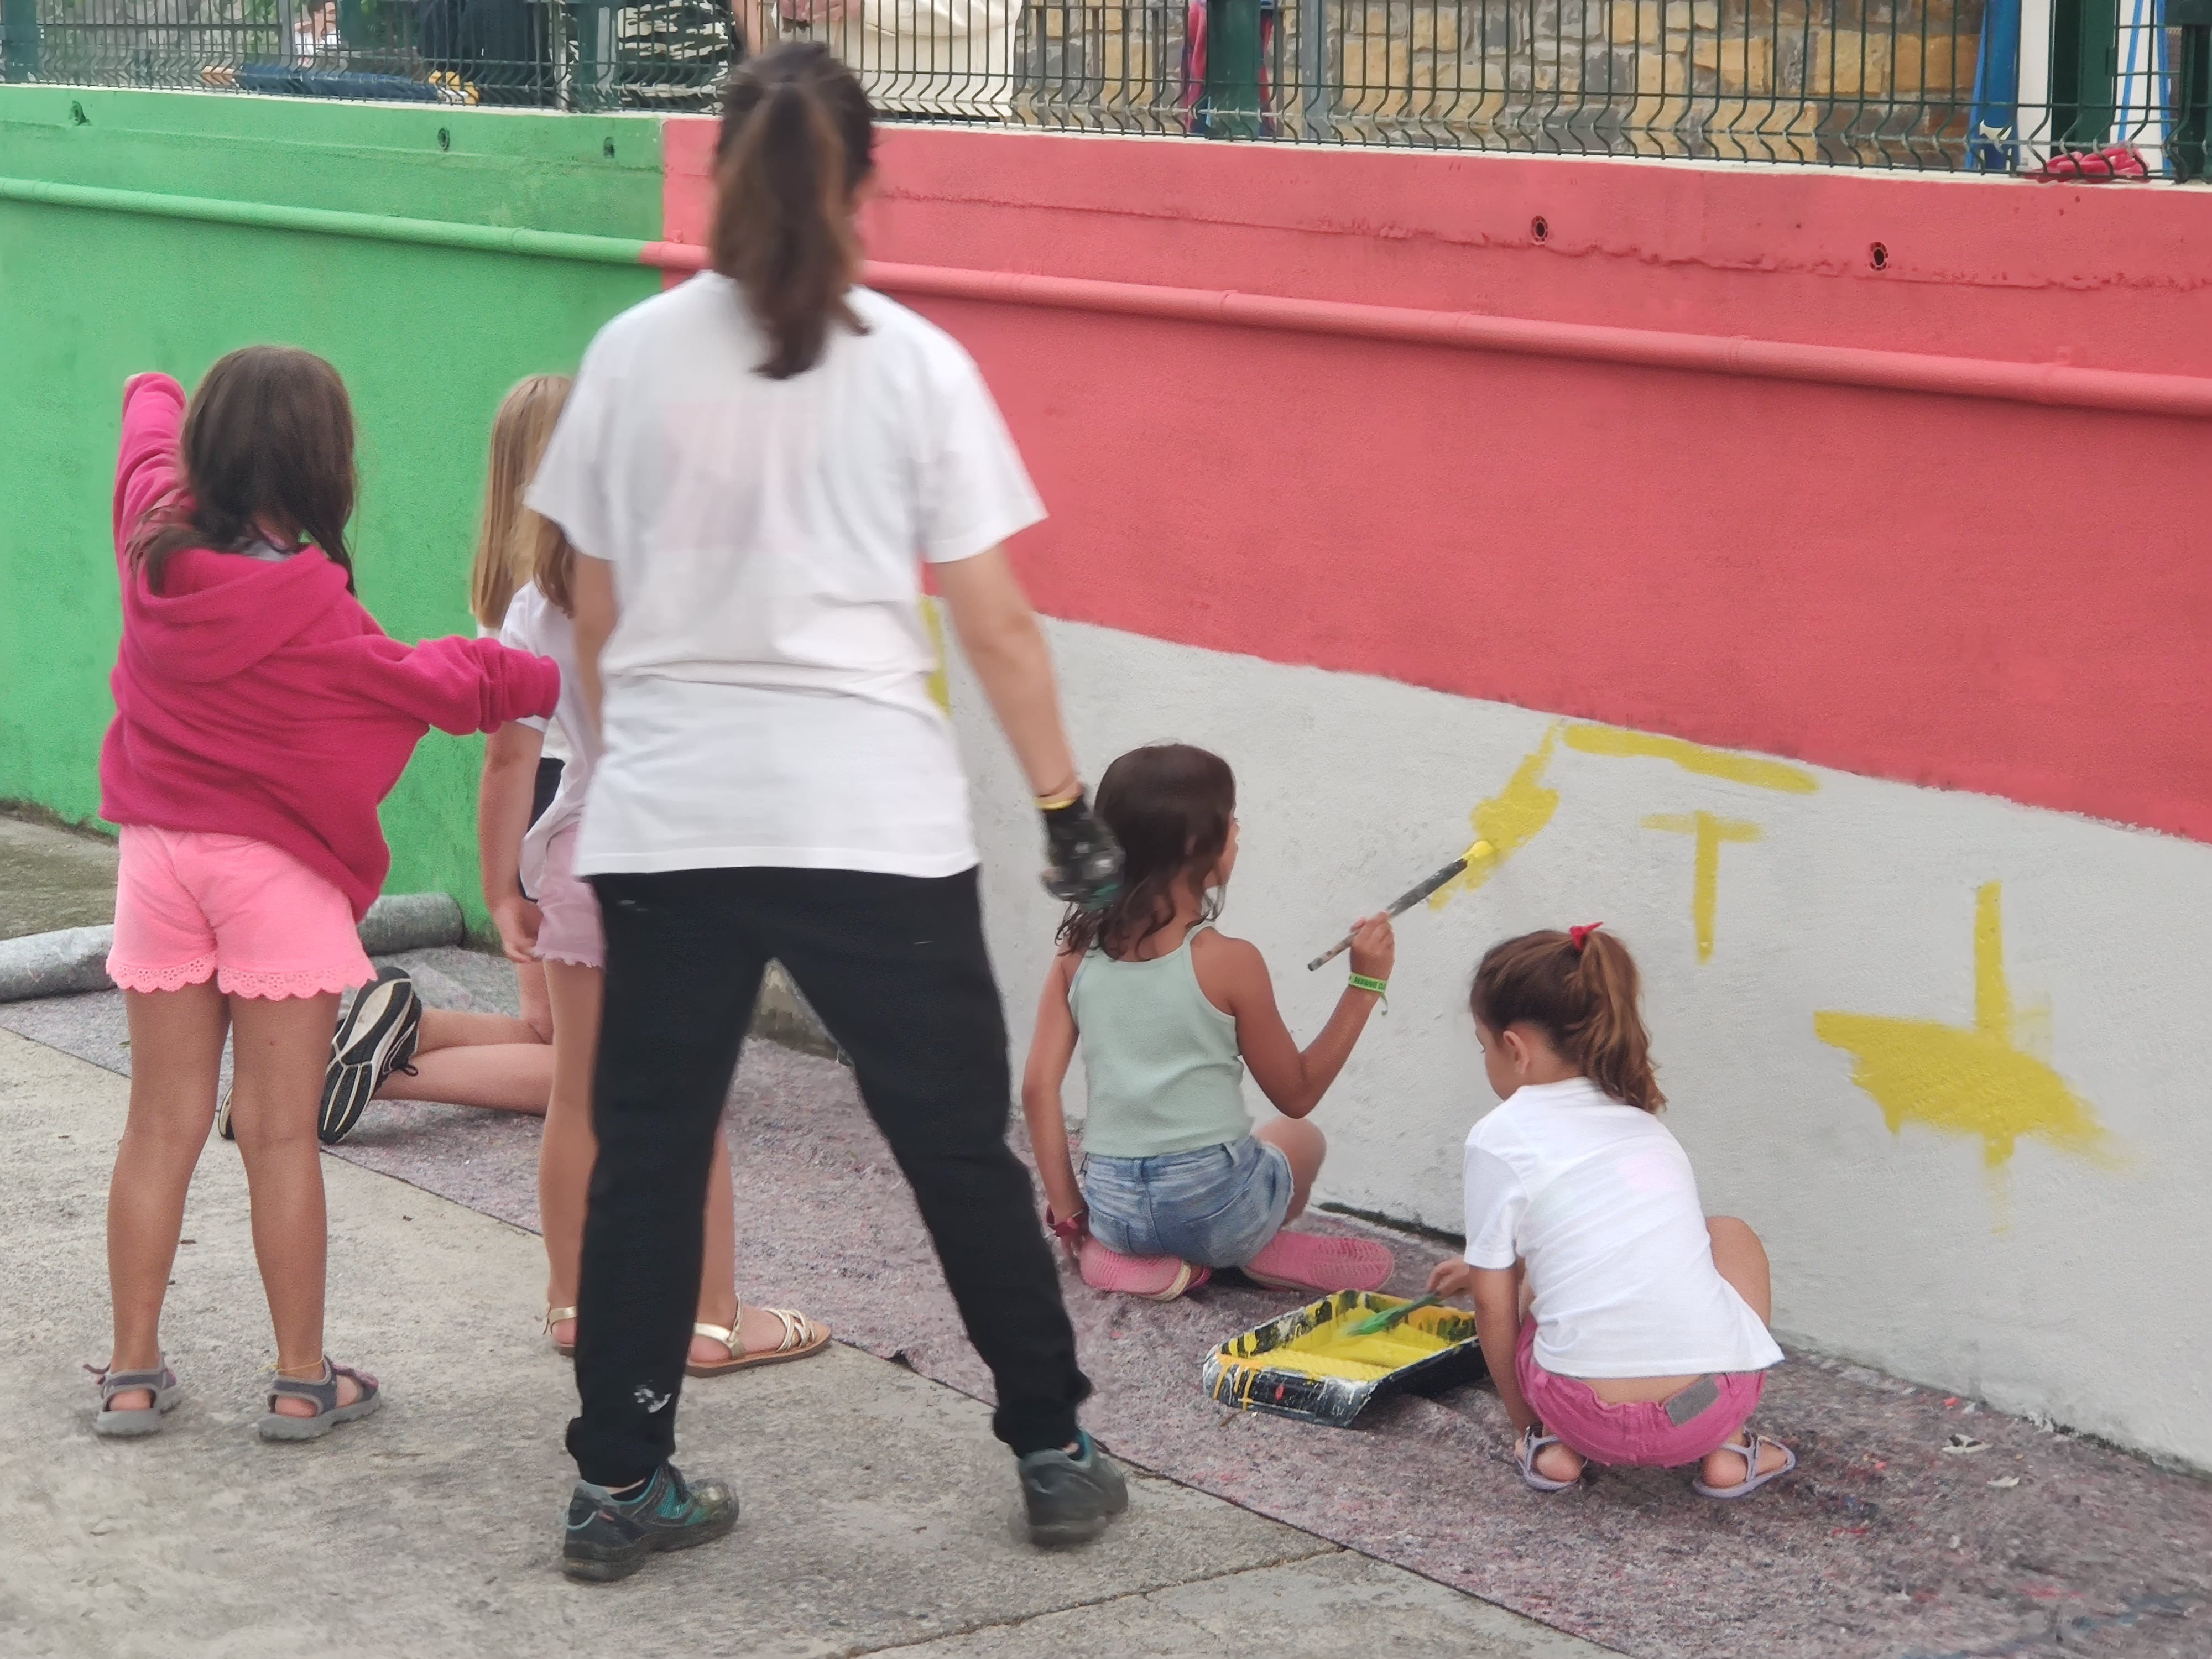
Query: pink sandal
(1154, 1278)
(1310, 1261)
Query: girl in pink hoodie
(260, 716)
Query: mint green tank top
(1164, 1072)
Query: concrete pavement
(879, 1515)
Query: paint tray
(1261, 1371)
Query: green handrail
(329, 221)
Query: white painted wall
(2051, 1285)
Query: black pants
(895, 966)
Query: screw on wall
(607, 149)
(1878, 257)
(444, 139)
(77, 116)
(1539, 229)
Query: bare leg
(278, 1054)
(491, 1060)
(176, 1048)
(537, 1004)
(1742, 1259)
(564, 1176)
(1306, 1146)
(566, 1153)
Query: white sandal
(1753, 1480)
(1527, 1449)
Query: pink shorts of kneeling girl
(191, 906)
(1641, 1434)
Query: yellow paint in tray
(1331, 1351)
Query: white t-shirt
(1600, 1201)
(556, 742)
(767, 696)
(535, 624)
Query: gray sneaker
(608, 1537)
(1071, 1499)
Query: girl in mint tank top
(1170, 1013)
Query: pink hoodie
(258, 698)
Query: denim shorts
(1216, 1207)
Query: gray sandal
(162, 1382)
(323, 1396)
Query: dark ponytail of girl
(798, 140)
(1582, 991)
(1170, 805)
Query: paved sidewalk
(878, 1513)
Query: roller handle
(1404, 901)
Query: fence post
(19, 40)
(1233, 69)
(1313, 71)
(594, 86)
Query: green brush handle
(1389, 1316)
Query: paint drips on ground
(1753, 770)
(1992, 1080)
(1508, 821)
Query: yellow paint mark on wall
(1753, 770)
(940, 688)
(1981, 1081)
(1705, 890)
(1508, 821)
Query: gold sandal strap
(556, 1316)
(726, 1335)
(798, 1329)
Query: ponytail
(798, 140)
(1582, 991)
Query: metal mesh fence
(1996, 85)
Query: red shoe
(1308, 1261)
(2102, 166)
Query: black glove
(1085, 867)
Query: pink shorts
(1644, 1434)
(190, 906)
(568, 909)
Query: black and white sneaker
(375, 1039)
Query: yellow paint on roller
(1506, 822)
(1753, 770)
(1981, 1080)
(1704, 890)
(940, 688)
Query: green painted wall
(427, 340)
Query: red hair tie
(1581, 935)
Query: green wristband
(1381, 987)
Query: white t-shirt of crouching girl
(1600, 1200)
(766, 687)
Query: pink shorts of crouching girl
(1685, 1428)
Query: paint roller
(1411, 896)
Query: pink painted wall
(1954, 590)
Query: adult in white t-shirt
(1621, 1324)
(753, 468)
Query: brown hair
(514, 544)
(268, 441)
(1169, 805)
(798, 139)
(1582, 998)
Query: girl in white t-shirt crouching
(1620, 1325)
